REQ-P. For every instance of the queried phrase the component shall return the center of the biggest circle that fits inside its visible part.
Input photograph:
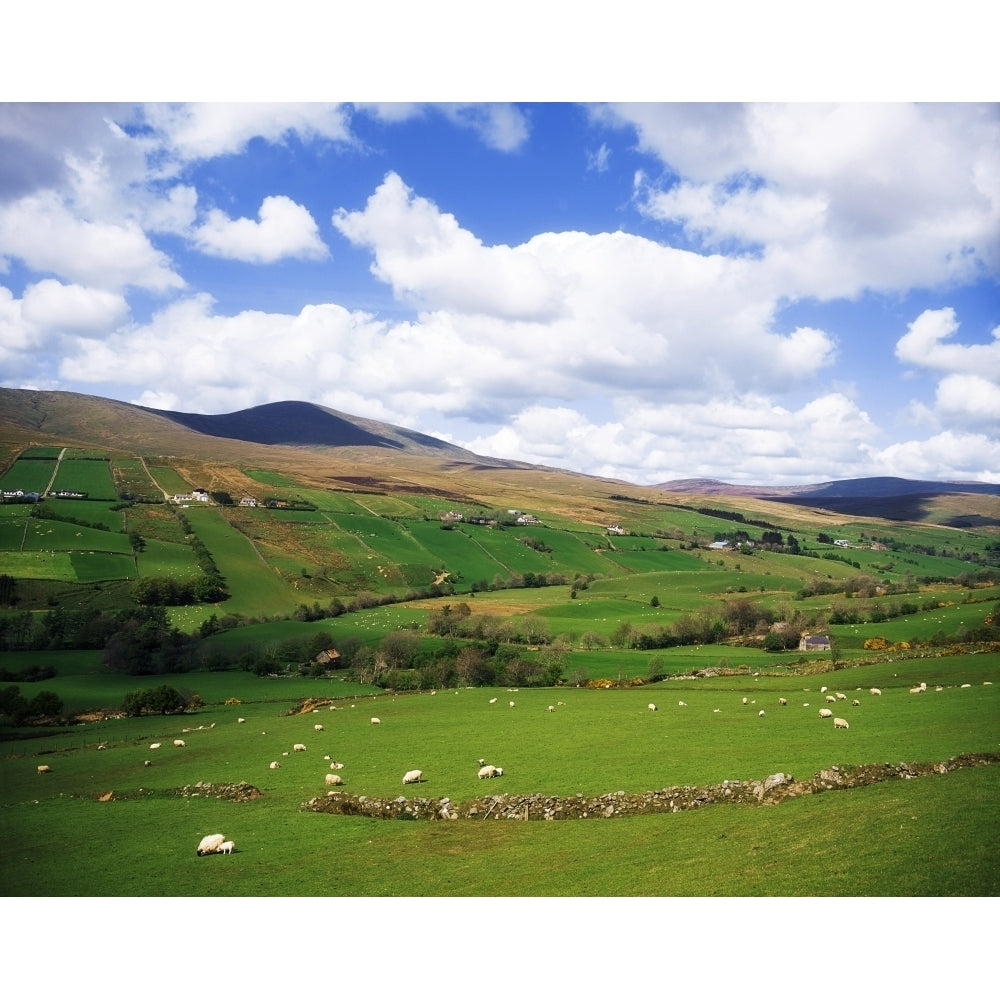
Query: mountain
(874, 486)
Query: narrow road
(55, 471)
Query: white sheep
(211, 844)
(493, 701)
(227, 847)
(841, 696)
(179, 743)
(856, 703)
(412, 777)
(241, 720)
(760, 714)
(875, 691)
(825, 713)
(651, 707)
(274, 765)
(511, 704)
(822, 690)
(840, 724)
(318, 728)
(490, 771)
(551, 708)
(44, 769)
(830, 697)
(147, 763)
(336, 766)
(682, 704)
(746, 701)
(376, 721)
(333, 779)
(299, 747)
(154, 746)
(782, 701)
(916, 690)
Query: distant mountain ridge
(870, 487)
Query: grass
(859, 842)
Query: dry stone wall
(764, 791)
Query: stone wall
(764, 791)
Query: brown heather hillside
(404, 462)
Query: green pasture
(38, 565)
(90, 476)
(44, 534)
(159, 521)
(94, 512)
(167, 559)
(41, 451)
(168, 480)
(131, 478)
(29, 474)
(13, 518)
(841, 843)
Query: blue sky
(758, 293)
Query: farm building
(328, 656)
(815, 644)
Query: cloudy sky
(755, 293)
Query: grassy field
(860, 842)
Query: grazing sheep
(490, 771)
(44, 769)
(760, 714)
(318, 728)
(154, 746)
(966, 685)
(241, 720)
(511, 704)
(822, 690)
(805, 704)
(856, 703)
(825, 713)
(682, 704)
(211, 844)
(746, 701)
(412, 777)
(830, 697)
(274, 765)
(916, 690)
(782, 701)
(551, 708)
(875, 691)
(336, 766)
(376, 722)
(840, 724)
(147, 763)
(227, 847)
(333, 779)
(179, 743)
(939, 688)
(299, 747)
(493, 701)
(841, 696)
(651, 707)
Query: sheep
(746, 701)
(376, 721)
(841, 696)
(299, 747)
(782, 701)
(830, 697)
(841, 724)
(274, 765)
(336, 766)
(490, 771)
(551, 708)
(760, 714)
(651, 707)
(875, 692)
(154, 746)
(511, 704)
(318, 728)
(44, 769)
(227, 847)
(179, 743)
(493, 701)
(241, 720)
(412, 777)
(822, 690)
(805, 704)
(825, 713)
(856, 703)
(211, 844)
(333, 779)
(682, 704)
(916, 690)
(147, 763)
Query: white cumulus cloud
(284, 229)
